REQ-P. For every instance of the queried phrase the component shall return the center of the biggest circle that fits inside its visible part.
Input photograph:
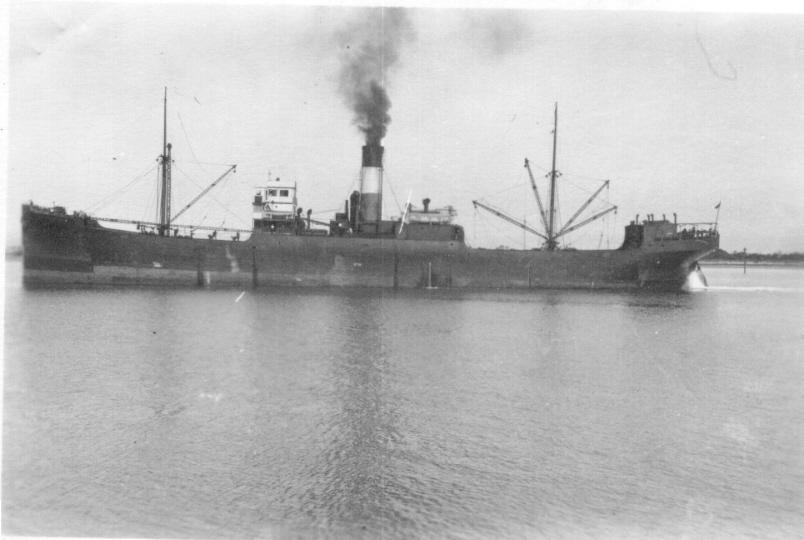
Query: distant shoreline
(13, 252)
(715, 262)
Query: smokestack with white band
(371, 184)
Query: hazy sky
(679, 110)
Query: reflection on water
(351, 478)
(427, 413)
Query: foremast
(163, 216)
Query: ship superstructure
(275, 208)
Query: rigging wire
(539, 166)
(590, 191)
(602, 232)
(187, 139)
(474, 225)
(218, 202)
(509, 188)
(390, 185)
(614, 225)
(151, 206)
(565, 174)
(585, 177)
(559, 222)
(328, 211)
(215, 164)
(352, 187)
(99, 204)
(563, 240)
(209, 195)
(499, 231)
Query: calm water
(434, 414)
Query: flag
(717, 206)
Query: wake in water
(696, 281)
(758, 289)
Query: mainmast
(164, 196)
(551, 239)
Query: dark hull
(65, 249)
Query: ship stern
(54, 245)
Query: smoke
(369, 50)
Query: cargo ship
(424, 248)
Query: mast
(164, 196)
(164, 125)
(551, 241)
(552, 230)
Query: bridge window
(283, 193)
(272, 193)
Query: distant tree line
(778, 256)
(13, 251)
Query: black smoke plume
(369, 49)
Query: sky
(679, 110)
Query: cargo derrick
(548, 216)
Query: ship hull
(73, 250)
